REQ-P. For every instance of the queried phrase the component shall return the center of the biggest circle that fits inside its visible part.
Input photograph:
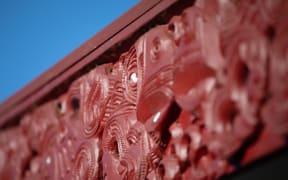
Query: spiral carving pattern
(195, 98)
(94, 91)
(86, 166)
(130, 75)
(115, 133)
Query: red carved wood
(195, 98)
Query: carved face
(155, 51)
(94, 91)
(183, 102)
(36, 123)
(246, 68)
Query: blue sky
(36, 34)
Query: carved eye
(171, 28)
(133, 78)
(61, 108)
(110, 70)
(227, 111)
(241, 73)
(176, 29)
(75, 103)
(156, 48)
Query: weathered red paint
(195, 98)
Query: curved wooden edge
(114, 33)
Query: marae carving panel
(195, 98)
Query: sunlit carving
(194, 98)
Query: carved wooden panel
(195, 98)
